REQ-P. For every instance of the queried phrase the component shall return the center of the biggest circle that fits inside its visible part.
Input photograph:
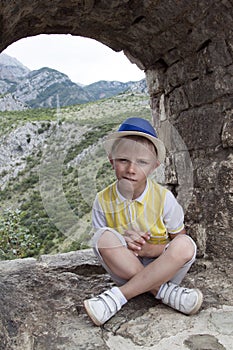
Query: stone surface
(42, 308)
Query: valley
(52, 164)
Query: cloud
(83, 60)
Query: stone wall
(193, 99)
(186, 50)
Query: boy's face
(133, 161)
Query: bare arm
(136, 240)
(138, 243)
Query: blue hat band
(128, 127)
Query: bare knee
(183, 247)
(117, 257)
(108, 240)
(108, 244)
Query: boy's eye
(122, 160)
(142, 162)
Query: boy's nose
(131, 167)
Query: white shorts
(145, 261)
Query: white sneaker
(102, 308)
(188, 301)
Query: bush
(15, 240)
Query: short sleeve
(98, 217)
(173, 215)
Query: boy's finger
(135, 236)
(147, 235)
(133, 246)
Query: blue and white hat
(140, 127)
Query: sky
(84, 60)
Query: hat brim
(109, 141)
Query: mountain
(49, 88)
(11, 69)
(105, 89)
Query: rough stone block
(227, 132)
(176, 102)
(201, 127)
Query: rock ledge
(42, 308)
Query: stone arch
(186, 51)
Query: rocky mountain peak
(11, 69)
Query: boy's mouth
(129, 179)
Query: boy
(140, 237)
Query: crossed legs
(161, 275)
(136, 278)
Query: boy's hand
(136, 240)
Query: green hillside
(58, 166)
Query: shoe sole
(199, 302)
(90, 314)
